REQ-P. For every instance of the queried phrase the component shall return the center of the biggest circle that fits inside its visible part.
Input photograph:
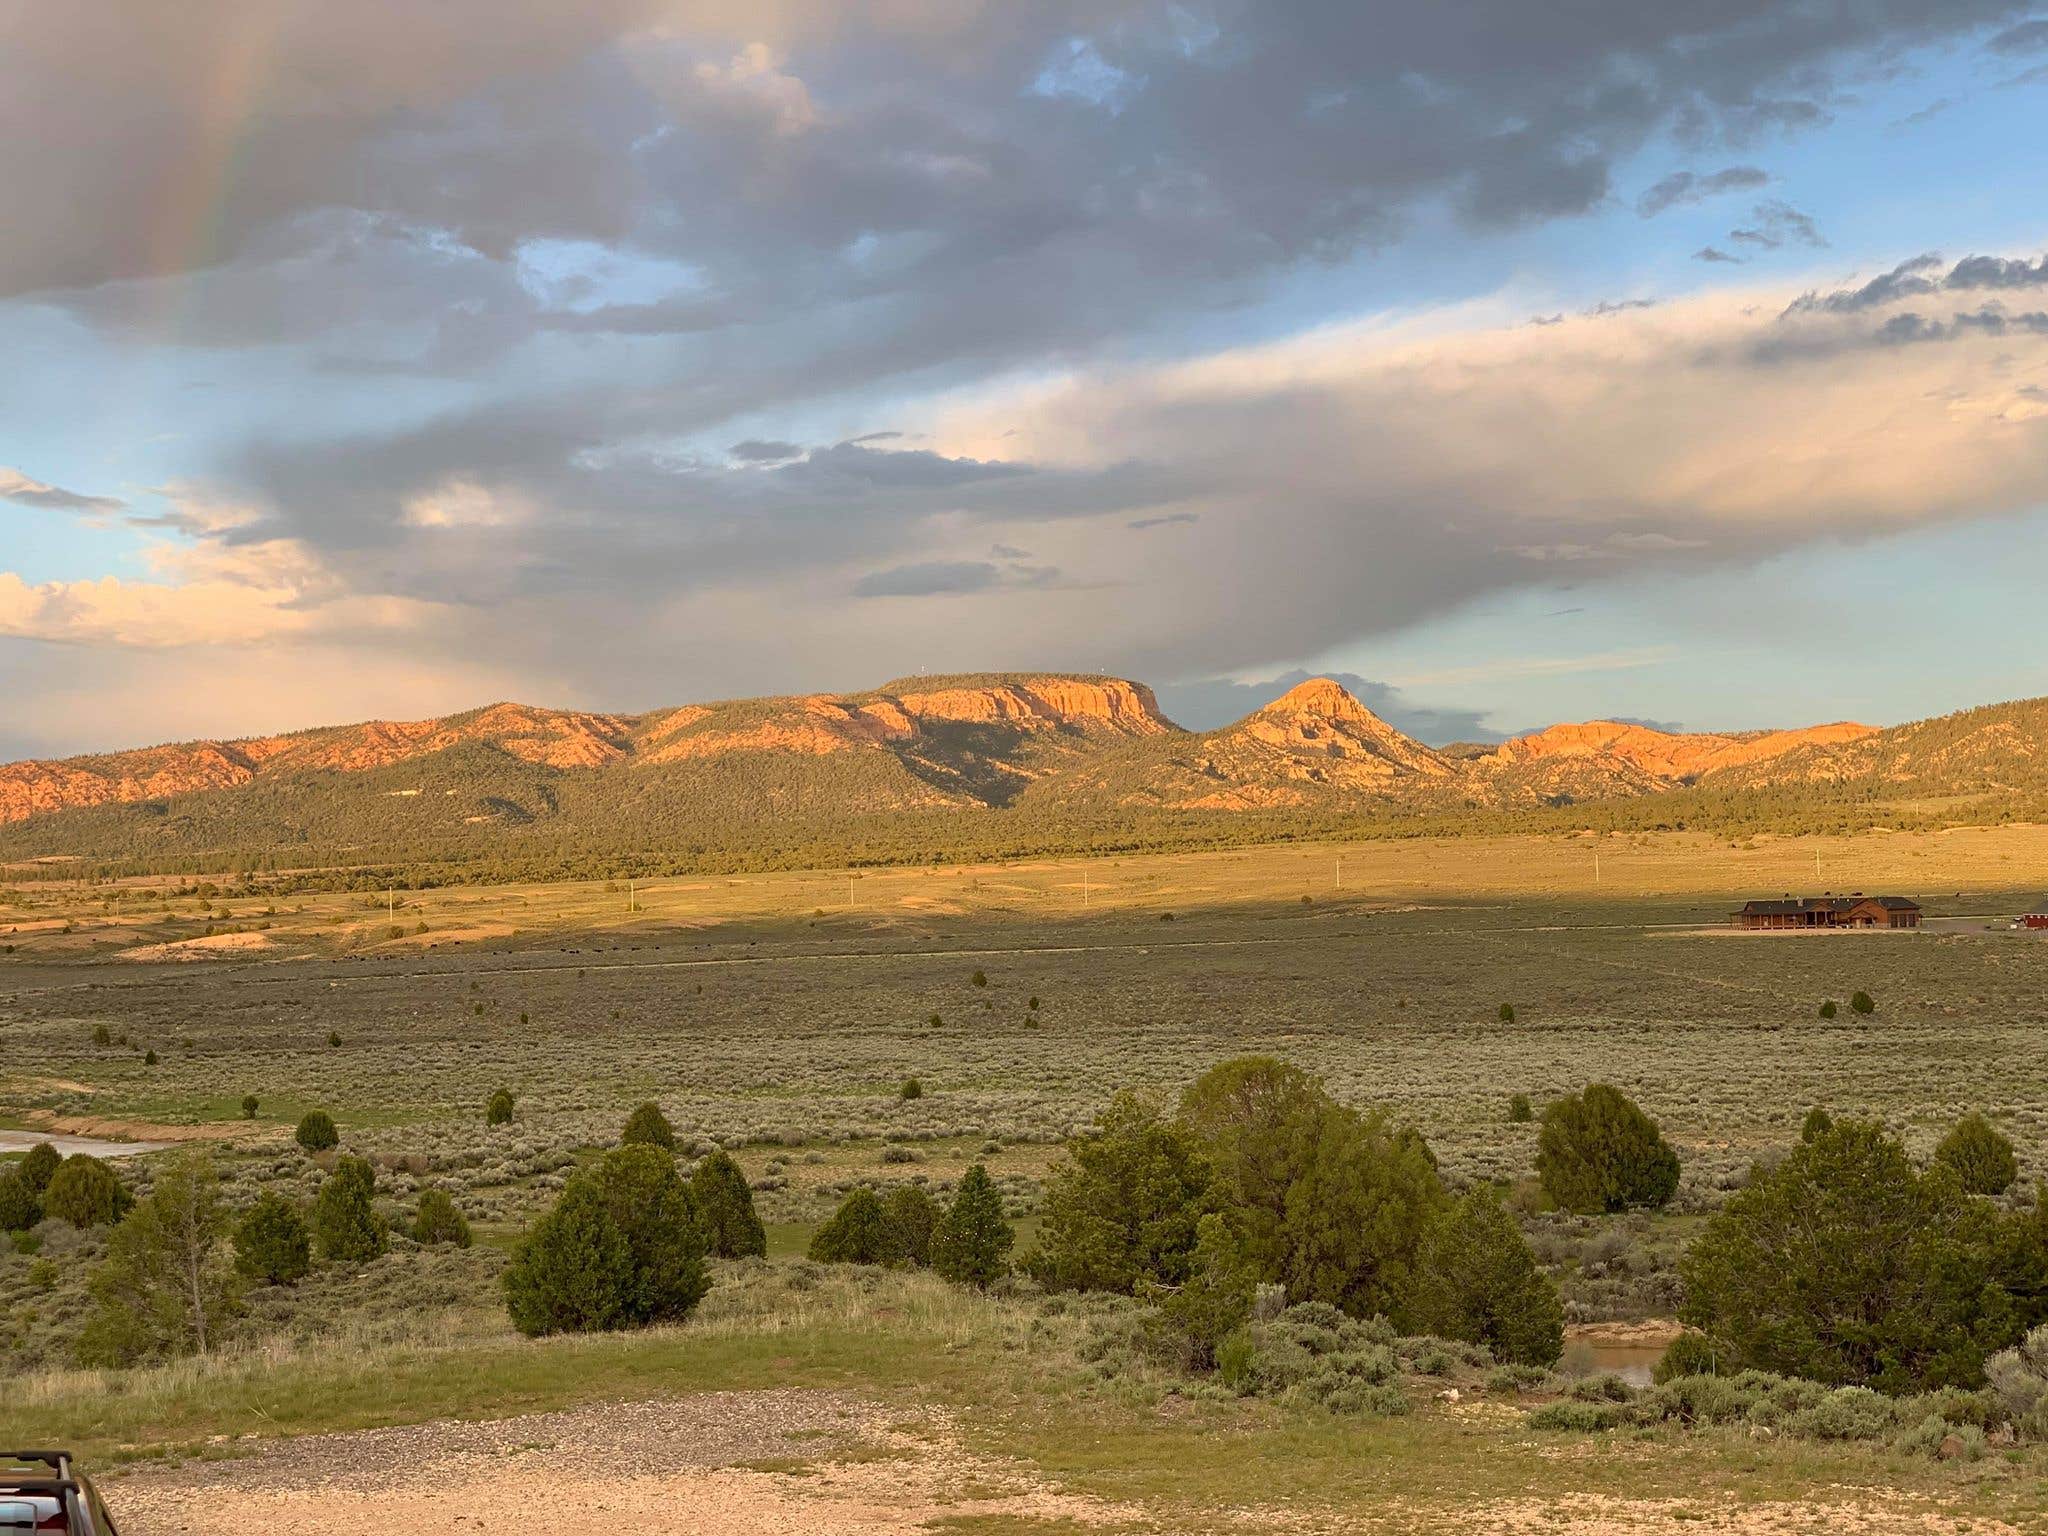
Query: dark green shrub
(1520, 1110)
(273, 1245)
(1978, 1156)
(859, 1232)
(914, 1216)
(1482, 1284)
(1690, 1354)
(1333, 1204)
(725, 1209)
(334, 1037)
(1507, 1013)
(911, 1089)
(499, 1110)
(85, 1192)
(647, 1126)
(249, 1106)
(1121, 1206)
(101, 1035)
(1828, 1009)
(346, 1222)
(1863, 1003)
(622, 1248)
(971, 1244)
(1598, 1152)
(39, 1166)
(439, 1220)
(1818, 1122)
(20, 1206)
(316, 1132)
(149, 1058)
(980, 979)
(1846, 1266)
(1216, 1301)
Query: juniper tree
(346, 1221)
(1981, 1158)
(1598, 1152)
(971, 1244)
(859, 1232)
(647, 1126)
(725, 1208)
(439, 1220)
(621, 1248)
(85, 1192)
(273, 1244)
(316, 1132)
(1482, 1283)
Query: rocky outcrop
(1667, 754)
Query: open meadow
(780, 1017)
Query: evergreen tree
(1216, 1298)
(972, 1242)
(622, 1248)
(273, 1245)
(20, 1209)
(1121, 1207)
(346, 1221)
(166, 1286)
(499, 1110)
(1979, 1157)
(316, 1132)
(647, 1126)
(85, 1192)
(39, 1166)
(439, 1220)
(725, 1207)
(913, 1217)
(1483, 1284)
(859, 1232)
(1598, 1152)
(1844, 1265)
(1818, 1122)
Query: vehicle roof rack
(58, 1462)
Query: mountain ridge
(1057, 744)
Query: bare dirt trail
(816, 1463)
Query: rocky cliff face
(1666, 754)
(901, 719)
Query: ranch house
(1856, 911)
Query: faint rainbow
(191, 201)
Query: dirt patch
(719, 1464)
(1650, 1333)
(130, 1130)
(1595, 1515)
(212, 946)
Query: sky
(1517, 363)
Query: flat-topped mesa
(1037, 703)
(1671, 754)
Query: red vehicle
(40, 1491)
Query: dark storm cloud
(1922, 275)
(1713, 254)
(757, 450)
(601, 242)
(2027, 37)
(1683, 187)
(1910, 327)
(1164, 520)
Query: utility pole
(1084, 885)
(1596, 868)
(391, 904)
(849, 893)
(1340, 871)
(632, 896)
